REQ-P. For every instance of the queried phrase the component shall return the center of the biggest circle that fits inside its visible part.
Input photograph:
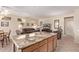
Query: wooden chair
(2, 39)
(7, 36)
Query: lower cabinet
(50, 44)
(47, 45)
(31, 48)
(55, 42)
(43, 48)
(36, 50)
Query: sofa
(29, 30)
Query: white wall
(51, 21)
(76, 26)
(61, 19)
(13, 24)
(47, 20)
(30, 21)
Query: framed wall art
(4, 24)
(56, 24)
(6, 18)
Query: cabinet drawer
(43, 42)
(31, 48)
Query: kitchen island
(35, 42)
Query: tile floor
(66, 44)
(6, 48)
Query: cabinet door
(31, 48)
(43, 48)
(55, 42)
(36, 50)
(50, 44)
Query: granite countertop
(22, 41)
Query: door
(69, 26)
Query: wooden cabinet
(42, 42)
(55, 42)
(38, 47)
(31, 48)
(46, 45)
(43, 46)
(36, 50)
(50, 44)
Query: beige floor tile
(67, 44)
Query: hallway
(67, 44)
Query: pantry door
(69, 26)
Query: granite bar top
(25, 40)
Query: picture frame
(6, 18)
(56, 23)
(4, 24)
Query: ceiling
(41, 10)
